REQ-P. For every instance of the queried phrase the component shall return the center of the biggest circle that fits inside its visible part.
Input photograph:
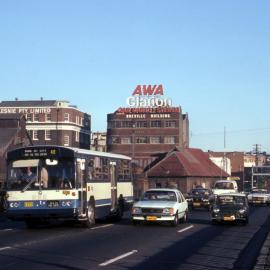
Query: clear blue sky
(212, 58)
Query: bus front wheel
(90, 216)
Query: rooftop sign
(148, 96)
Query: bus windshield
(33, 174)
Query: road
(194, 245)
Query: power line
(230, 132)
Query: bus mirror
(51, 162)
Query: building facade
(52, 122)
(142, 133)
(99, 141)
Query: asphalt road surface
(194, 245)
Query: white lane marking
(5, 248)
(104, 226)
(118, 258)
(6, 230)
(186, 229)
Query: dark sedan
(200, 198)
(231, 207)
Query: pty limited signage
(148, 96)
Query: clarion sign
(148, 96)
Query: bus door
(81, 183)
(113, 177)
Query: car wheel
(175, 221)
(135, 222)
(184, 218)
(214, 222)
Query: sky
(211, 56)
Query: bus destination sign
(40, 152)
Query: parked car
(225, 186)
(259, 197)
(200, 198)
(230, 207)
(160, 205)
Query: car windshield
(40, 174)
(159, 196)
(231, 200)
(200, 191)
(224, 185)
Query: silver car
(259, 197)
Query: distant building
(223, 163)
(13, 134)
(52, 122)
(99, 141)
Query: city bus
(53, 182)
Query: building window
(170, 124)
(66, 140)
(81, 121)
(125, 140)
(35, 135)
(154, 139)
(141, 139)
(156, 124)
(66, 117)
(36, 117)
(77, 136)
(29, 117)
(126, 124)
(48, 135)
(141, 124)
(48, 117)
(169, 139)
(77, 120)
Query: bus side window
(90, 170)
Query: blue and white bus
(52, 182)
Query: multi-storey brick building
(142, 133)
(52, 122)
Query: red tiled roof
(186, 162)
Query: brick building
(141, 133)
(52, 122)
(13, 134)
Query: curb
(263, 261)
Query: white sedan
(160, 205)
(259, 197)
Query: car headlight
(168, 211)
(242, 211)
(216, 210)
(136, 210)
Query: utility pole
(257, 150)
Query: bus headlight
(66, 203)
(14, 205)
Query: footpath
(263, 260)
